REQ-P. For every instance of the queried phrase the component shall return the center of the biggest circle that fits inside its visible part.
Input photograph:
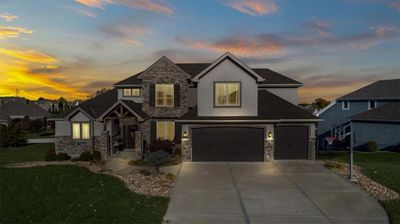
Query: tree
(62, 103)
(320, 103)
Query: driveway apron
(289, 192)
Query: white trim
(369, 104)
(223, 57)
(250, 121)
(80, 110)
(325, 108)
(101, 117)
(348, 105)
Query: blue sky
(71, 48)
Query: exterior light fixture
(185, 135)
(269, 135)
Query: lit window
(80, 131)
(371, 104)
(131, 92)
(166, 130)
(164, 95)
(227, 94)
(345, 105)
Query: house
(373, 112)
(6, 99)
(20, 110)
(219, 111)
(4, 119)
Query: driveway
(280, 192)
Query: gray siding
(384, 134)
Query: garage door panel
(227, 144)
(291, 142)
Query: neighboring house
(366, 101)
(220, 111)
(20, 110)
(6, 99)
(48, 105)
(4, 119)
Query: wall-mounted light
(185, 135)
(269, 135)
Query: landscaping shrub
(50, 155)
(96, 155)
(165, 145)
(145, 172)
(86, 156)
(170, 176)
(370, 146)
(12, 135)
(62, 156)
(158, 158)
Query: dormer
(130, 89)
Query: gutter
(250, 121)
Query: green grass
(382, 167)
(69, 194)
(33, 152)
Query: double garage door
(235, 144)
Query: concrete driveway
(281, 192)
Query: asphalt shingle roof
(382, 89)
(387, 112)
(271, 77)
(270, 107)
(137, 107)
(16, 108)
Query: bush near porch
(382, 167)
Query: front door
(129, 136)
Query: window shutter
(153, 132)
(152, 93)
(178, 133)
(177, 95)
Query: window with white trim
(371, 104)
(345, 105)
(166, 130)
(164, 95)
(227, 94)
(80, 130)
(131, 92)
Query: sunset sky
(71, 48)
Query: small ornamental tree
(158, 158)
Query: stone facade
(74, 148)
(269, 148)
(138, 145)
(311, 148)
(186, 150)
(165, 71)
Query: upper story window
(166, 130)
(227, 94)
(131, 92)
(371, 104)
(164, 95)
(345, 105)
(80, 130)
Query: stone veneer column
(269, 148)
(186, 150)
(101, 144)
(311, 148)
(138, 145)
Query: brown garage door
(232, 144)
(291, 142)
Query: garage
(232, 144)
(291, 142)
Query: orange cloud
(8, 17)
(146, 5)
(28, 55)
(254, 7)
(252, 46)
(13, 32)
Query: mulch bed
(153, 185)
(376, 190)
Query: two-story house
(372, 112)
(219, 111)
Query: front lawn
(382, 167)
(33, 152)
(70, 194)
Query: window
(166, 130)
(164, 95)
(131, 92)
(371, 104)
(227, 94)
(80, 131)
(345, 105)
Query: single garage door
(291, 142)
(233, 144)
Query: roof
(387, 112)
(382, 89)
(137, 107)
(270, 107)
(16, 108)
(193, 69)
(4, 117)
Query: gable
(79, 116)
(165, 67)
